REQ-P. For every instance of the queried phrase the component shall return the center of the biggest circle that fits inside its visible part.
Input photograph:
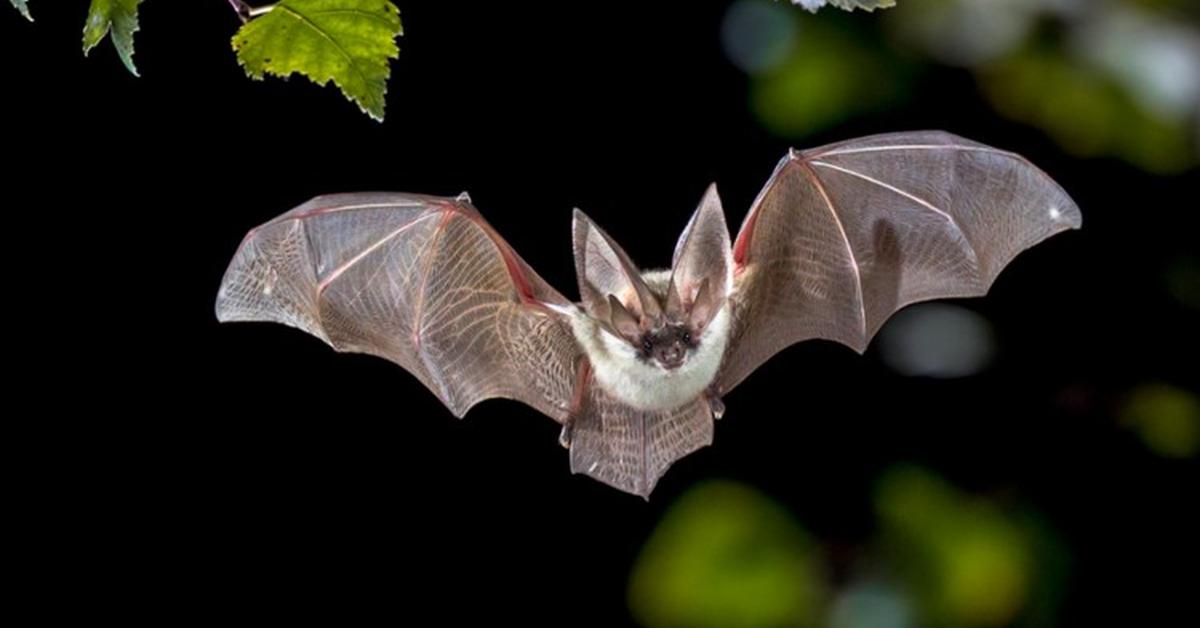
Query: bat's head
(662, 315)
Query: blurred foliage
(1183, 281)
(1101, 77)
(727, 555)
(809, 89)
(1166, 418)
(970, 564)
(1085, 111)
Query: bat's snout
(671, 355)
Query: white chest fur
(617, 368)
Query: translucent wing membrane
(422, 281)
(844, 235)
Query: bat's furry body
(645, 385)
(840, 238)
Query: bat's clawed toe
(716, 406)
(564, 437)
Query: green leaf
(348, 42)
(119, 16)
(20, 6)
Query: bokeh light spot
(871, 605)
(937, 340)
(757, 35)
(1166, 418)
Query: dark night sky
(249, 470)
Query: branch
(245, 11)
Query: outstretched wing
(844, 235)
(422, 281)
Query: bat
(840, 238)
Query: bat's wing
(422, 281)
(844, 235)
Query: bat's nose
(671, 356)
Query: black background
(186, 469)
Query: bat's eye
(647, 345)
(687, 338)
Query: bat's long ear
(604, 269)
(702, 267)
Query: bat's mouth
(670, 365)
(670, 355)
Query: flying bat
(840, 238)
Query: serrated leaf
(849, 5)
(118, 16)
(23, 8)
(348, 42)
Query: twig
(245, 11)
(241, 8)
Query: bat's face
(659, 340)
(668, 347)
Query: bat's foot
(716, 405)
(564, 437)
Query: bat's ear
(622, 320)
(702, 253)
(604, 269)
